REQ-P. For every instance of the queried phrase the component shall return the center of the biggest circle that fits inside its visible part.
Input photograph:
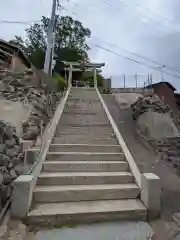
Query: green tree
(18, 41)
(61, 82)
(70, 43)
(89, 78)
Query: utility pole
(49, 50)
(162, 77)
(161, 70)
(52, 63)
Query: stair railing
(48, 135)
(24, 185)
(129, 157)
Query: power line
(135, 10)
(161, 65)
(135, 61)
(140, 56)
(135, 54)
(157, 14)
(118, 10)
(77, 5)
(150, 18)
(18, 22)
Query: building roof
(10, 49)
(160, 83)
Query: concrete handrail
(24, 185)
(129, 157)
(48, 135)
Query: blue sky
(123, 23)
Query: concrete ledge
(22, 196)
(151, 194)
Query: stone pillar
(22, 196)
(151, 194)
(70, 76)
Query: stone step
(77, 122)
(85, 166)
(86, 109)
(84, 112)
(85, 129)
(90, 117)
(84, 103)
(83, 95)
(90, 131)
(84, 148)
(71, 98)
(71, 139)
(86, 212)
(52, 194)
(90, 114)
(83, 178)
(86, 125)
(84, 156)
(85, 134)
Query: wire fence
(132, 81)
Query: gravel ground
(148, 161)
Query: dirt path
(148, 161)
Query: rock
(15, 160)
(5, 193)
(10, 166)
(34, 120)
(32, 133)
(2, 148)
(6, 178)
(4, 160)
(1, 178)
(21, 87)
(17, 140)
(19, 169)
(13, 174)
(3, 169)
(10, 143)
(12, 152)
(143, 104)
(16, 83)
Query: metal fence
(132, 80)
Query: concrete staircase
(85, 177)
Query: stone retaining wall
(21, 87)
(11, 161)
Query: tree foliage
(89, 78)
(70, 42)
(61, 82)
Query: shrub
(61, 82)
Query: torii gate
(79, 67)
